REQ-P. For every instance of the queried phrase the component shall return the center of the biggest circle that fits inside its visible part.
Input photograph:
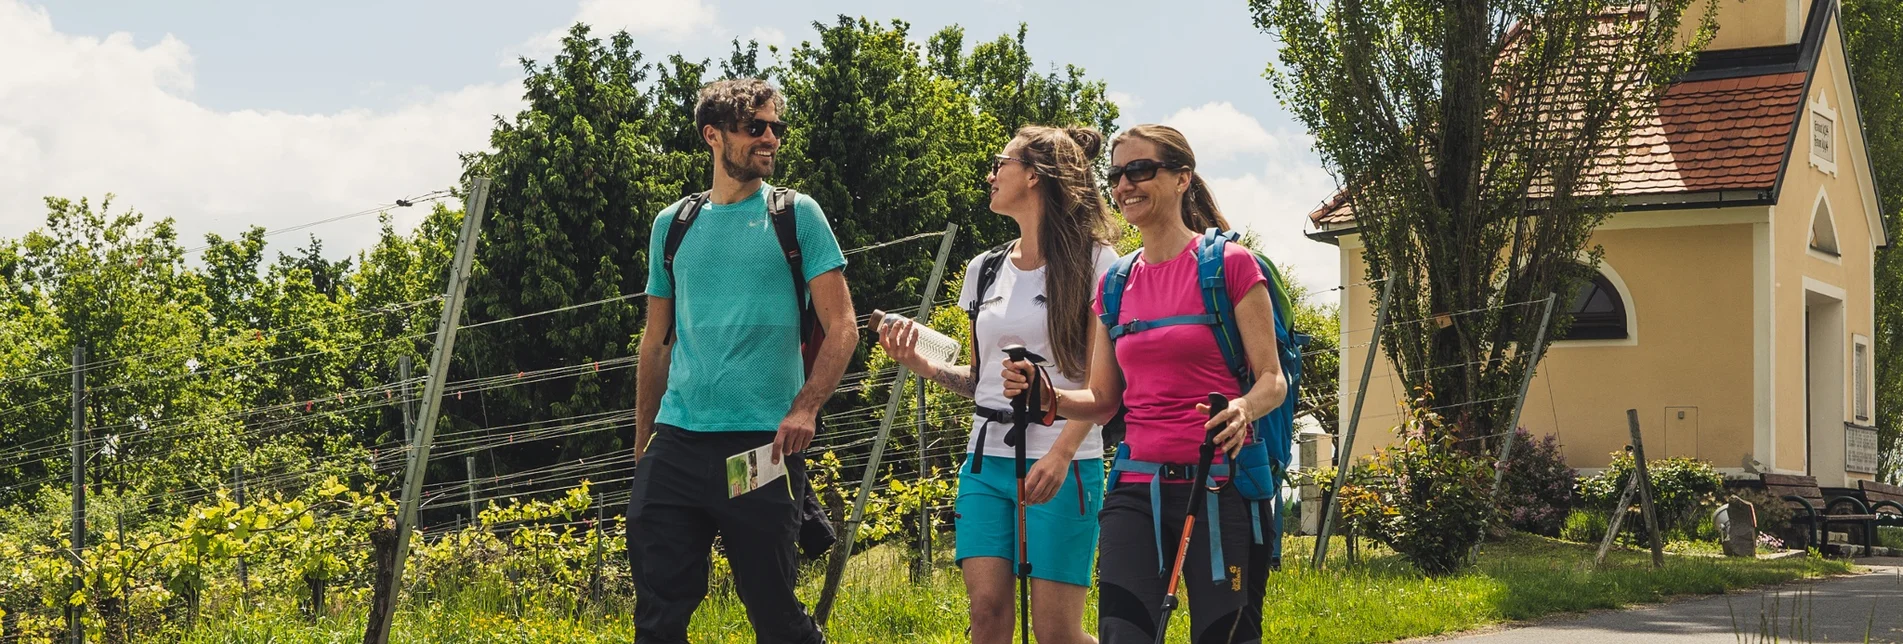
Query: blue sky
(226, 114)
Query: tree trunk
(315, 611)
(1457, 285)
(383, 547)
(112, 617)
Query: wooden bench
(1881, 496)
(1883, 500)
(1816, 513)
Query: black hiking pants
(680, 502)
(1131, 579)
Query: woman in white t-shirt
(1039, 292)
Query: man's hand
(796, 433)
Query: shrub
(1537, 486)
(1585, 526)
(1774, 515)
(1423, 497)
(1685, 488)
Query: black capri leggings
(1131, 579)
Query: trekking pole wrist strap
(1047, 416)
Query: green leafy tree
(1874, 31)
(1438, 118)
(577, 179)
(119, 288)
(887, 148)
(1004, 85)
(401, 278)
(1321, 361)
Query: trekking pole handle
(1019, 403)
(1217, 403)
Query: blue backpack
(1258, 468)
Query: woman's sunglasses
(997, 162)
(758, 127)
(1139, 171)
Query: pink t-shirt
(1168, 370)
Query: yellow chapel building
(1734, 305)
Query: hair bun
(1087, 138)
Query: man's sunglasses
(758, 127)
(1139, 171)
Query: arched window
(1598, 312)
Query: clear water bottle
(932, 345)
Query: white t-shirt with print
(1014, 308)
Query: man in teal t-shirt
(721, 373)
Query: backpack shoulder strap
(780, 211)
(1111, 293)
(989, 264)
(677, 230)
(1215, 288)
(786, 228)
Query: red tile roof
(1708, 135)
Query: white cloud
(87, 116)
(1274, 204)
(1218, 131)
(1266, 182)
(672, 20)
(768, 36)
(1124, 100)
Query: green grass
(1378, 599)
(1522, 578)
(1890, 537)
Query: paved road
(1834, 610)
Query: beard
(743, 165)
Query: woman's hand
(1046, 478)
(1234, 422)
(1017, 376)
(900, 341)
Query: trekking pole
(1022, 406)
(1205, 456)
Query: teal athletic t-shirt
(736, 362)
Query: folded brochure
(749, 470)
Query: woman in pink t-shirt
(1163, 376)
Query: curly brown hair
(725, 103)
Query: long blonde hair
(1076, 222)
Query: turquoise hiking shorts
(1063, 530)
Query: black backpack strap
(816, 533)
(677, 230)
(988, 266)
(780, 203)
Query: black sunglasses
(1139, 171)
(758, 127)
(997, 162)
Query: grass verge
(1378, 599)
